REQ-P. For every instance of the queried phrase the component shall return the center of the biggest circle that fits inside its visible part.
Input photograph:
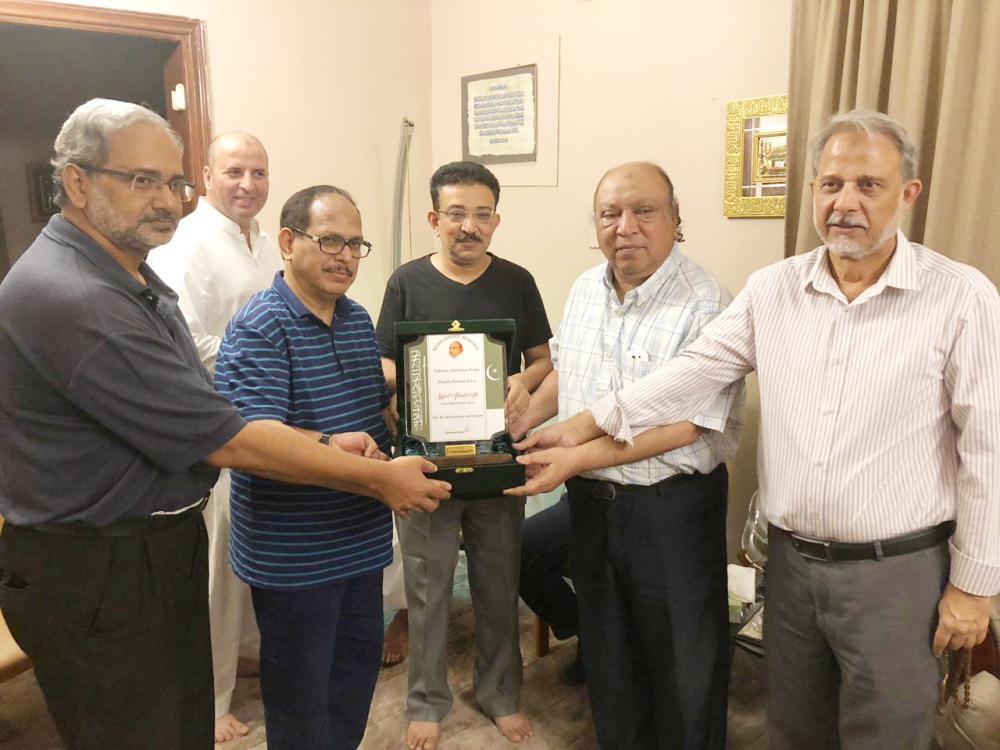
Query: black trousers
(117, 629)
(649, 568)
(545, 541)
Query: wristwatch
(325, 438)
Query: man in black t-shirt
(461, 281)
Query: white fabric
(214, 272)
(603, 344)
(230, 608)
(879, 417)
(393, 585)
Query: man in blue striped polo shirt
(303, 353)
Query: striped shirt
(603, 344)
(278, 361)
(879, 417)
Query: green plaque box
(451, 384)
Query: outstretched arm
(273, 450)
(550, 467)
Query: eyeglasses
(334, 244)
(457, 216)
(143, 182)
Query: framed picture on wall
(500, 116)
(756, 157)
(41, 192)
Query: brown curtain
(934, 65)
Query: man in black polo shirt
(113, 435)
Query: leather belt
(606, 490)
(824, 551)
(142, 526)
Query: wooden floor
(561, 714)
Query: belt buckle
(825, 544)
(605, 490)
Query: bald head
(636, 217)
(646, 168)
(236, 176)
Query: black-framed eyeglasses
(334, 244)
(144, 182)
(458, 216)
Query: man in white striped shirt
(648, 547)
(879, 370)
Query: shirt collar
(651, 286)
(341, 310)
(214, 217)
(901, 273)
(64, 232)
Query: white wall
(639, 79)
(325, 85)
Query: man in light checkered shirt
(648, 553)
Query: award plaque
(451, 385)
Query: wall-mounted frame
(756, 157)
(500, 116)
(41, 192)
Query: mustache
(463, 237)
(161, 214)
(838, 219)
(340, 269)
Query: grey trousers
(849, 662)
(491, 531)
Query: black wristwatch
(325, 438)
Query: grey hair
(83, 138)
(874, 124)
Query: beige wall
(325, 86)
(638, 80)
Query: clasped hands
(551, 456)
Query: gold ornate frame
(742, 123)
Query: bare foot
(422, 735)
(397, 639)
(514, 727)
(228, 727)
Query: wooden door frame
(188, 33)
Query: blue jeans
(320, 652)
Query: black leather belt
(605, 490)
(817, 549)
(141, 526)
